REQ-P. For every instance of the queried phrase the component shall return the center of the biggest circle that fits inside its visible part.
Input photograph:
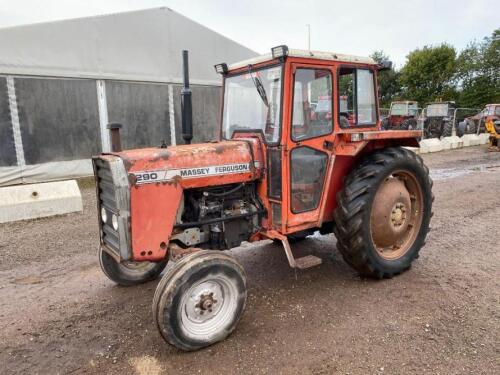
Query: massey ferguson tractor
(276, 173)
(439, 119)
(402, 116)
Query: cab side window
(312, 104)
(356, 97)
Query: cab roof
(319, 55)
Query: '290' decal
(145, 177)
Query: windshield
(252, 101)
(437, 110)
(398, 109)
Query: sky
(351, 27)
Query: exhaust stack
(186, 105)
(114, 135)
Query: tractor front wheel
(199, 301)
(129, 273)
(383, 212)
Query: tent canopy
(141, 45)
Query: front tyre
(200, 300)
(129, 273)
(383, 212)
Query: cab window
(357, 88)
(312, 104)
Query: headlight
(104, 215)
(114, 221)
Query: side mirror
(384, 65)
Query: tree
(429, 74)
(478, 72)
(388, 81)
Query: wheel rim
(396, 215)
(208, 307)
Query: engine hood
(194, 165)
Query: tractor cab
(439, 119)
(301, 104)
(492, 111)
(404, 109)
(440, 109)
(402, 116)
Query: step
(307, 262)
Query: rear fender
(347, 157)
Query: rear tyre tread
(354, 201)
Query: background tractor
(439, 120)
(402, 116)
(277, 173)
(477, 123)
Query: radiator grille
(108, 202)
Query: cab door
(308, 145)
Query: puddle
(447, 173)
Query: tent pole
(171, 114)
(16, 127)
(102, 106)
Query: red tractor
(276, 173)
(476, 124)
(402, 116)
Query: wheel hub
(395, 211)
(206, 302)
(398, 215)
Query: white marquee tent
(62, 82)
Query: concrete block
(416, 150)
(33, 201)
(484, 138)
(452, 142)
(470, 140)
(430, 145)
(445, 145)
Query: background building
(62, 82)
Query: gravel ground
(59, 313)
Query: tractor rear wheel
(383, 213)
(200, 300)
(470, 127)
(385, 124)
(129, 273)
(447, 129)
(406, 125)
